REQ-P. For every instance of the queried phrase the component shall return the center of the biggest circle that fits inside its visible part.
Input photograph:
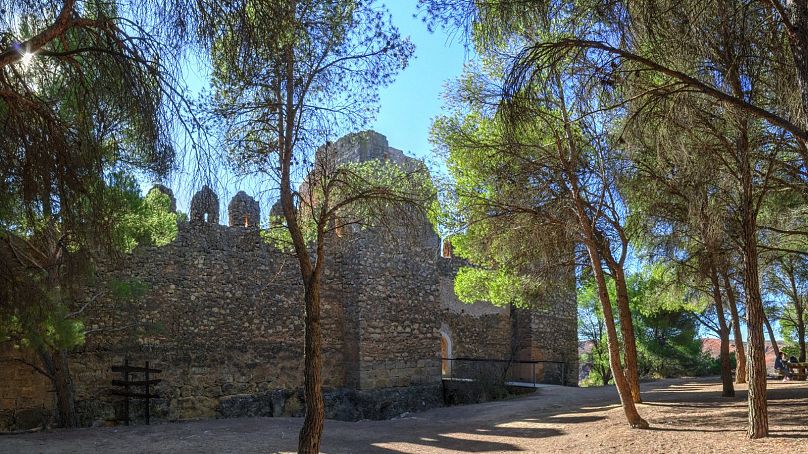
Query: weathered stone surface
(243, 211)
(205, 206)
(353, 405)
(222, 316)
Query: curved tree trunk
(772, 339)
(740, 352)
(623, 390)
(590, 239)
(728, 390)
(627, 329)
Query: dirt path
(687, 415)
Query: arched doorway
(445, 351)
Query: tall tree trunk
(740, 351)
(570, 166)
(758, 410)
(311, 433)
(57, 365)
(723, 333)
(590, 240)
(627, 329)
(312, 430)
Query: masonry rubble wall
(220, 311)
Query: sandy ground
(686, 415)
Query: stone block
(7, 404)
(31, 418)
(193, 408)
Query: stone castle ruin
(220, 311)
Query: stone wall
(399, 343)
(220, 315)
(220, 311)
(26, 400)
(479, 330)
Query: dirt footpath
(686, 415)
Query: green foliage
(141, 220)
(277, 234)
(498, 287)
(36, 328)
(42, 307)
(666, 329)
(131, 290)
(502, 207)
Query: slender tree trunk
(311, 433)
(799, 308)
(620, 381)
(627, 329)
(740, 352)
(772, 339)
(801, 331)
(571, 166)
(57, 365)
(758, 410)
(623, 388)
(723, 333)
(312, 430)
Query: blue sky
(414, 99)
(406, 107)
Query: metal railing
(510, 372)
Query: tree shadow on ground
(501, 434)
(681, 407)
(709, 412)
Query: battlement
(221, 311)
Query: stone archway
(445, 350)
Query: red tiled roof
(709, 345)
(713, 347)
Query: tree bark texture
(311, 433)
(57, 365)
(758, 410)
(728, 390)
(627, 329)
(740, 351)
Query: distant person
(781, 364)
(792, 359)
